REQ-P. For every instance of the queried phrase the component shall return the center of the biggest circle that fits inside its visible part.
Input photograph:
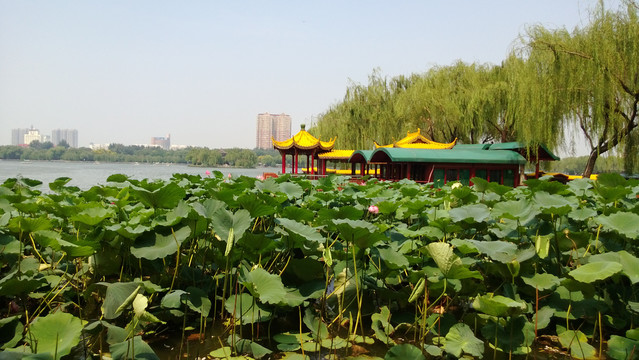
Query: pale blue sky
(124, 71)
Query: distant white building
(32, 135)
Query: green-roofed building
(502, 163)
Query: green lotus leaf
(382, 327)
(582, 214)
(21, 224)
(514, 209)
(577, 342)
(497, 305)
(611, 180)
(315, 324)
(197, 300)
(56, 333)
(10, 331)
(93, 215)
(460, 339)
(579, 186)
(158, 245)
(392, 258)
(621, 348)
(265, 286)
(612, 194)
(174, 215)
(173, 299)
(448, 262)
(208, 208)
(257, 206)
(246, 310)
(9, 245)
(404, 351)
(291, 190)
(245, 346)
(595, 271)
(12, 285)
(305, 215)
(629, 262)
(542, 318)
(515, 336)
(553, 204)
(475, 213)
(166, 197)
(387, 207)
(134, 348)
(503, 251)
(231, 226)
(300, 231)
(118, 297)
(542, 281)
(625, 223)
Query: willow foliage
(588, 77)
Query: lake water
(87, 174)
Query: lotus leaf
(21, 224)
(553, 204)
(515, 336)
(134, 348)
(404, 351)
(629, 263)
(10, 331)
(56, 333)
(291, 190)
(473, 214)
(595, 271)
(118, 296)
(300, 231)
(392, 258)
(316, 325)
(577, 342)
(460, 339)
(208, 208)
(448, 263)
(166, 197)
(159, 245)
(621, 348)
(265, 286)
(382, 327)
(542, 281)
(497, 305)
(625, 223)
(93, 215)
(244, 308)
(245, 346)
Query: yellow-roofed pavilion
(302, 143)
(415, 140)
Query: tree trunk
(590, 165)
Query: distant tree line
(244, 158)
(553, 80)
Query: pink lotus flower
(208, 173)
(373, 209)
(230, 176)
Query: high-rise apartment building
(17, 136)
(163, 142)
(277, 126)
(68, 135)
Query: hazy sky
(124, 71)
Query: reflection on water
(87, 174)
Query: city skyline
(202, 70)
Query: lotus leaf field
(297, 268)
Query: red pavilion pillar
(283, 163)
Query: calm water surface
(87, 174)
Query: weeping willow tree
(366, 114)
(463, 101)
(588, 78)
